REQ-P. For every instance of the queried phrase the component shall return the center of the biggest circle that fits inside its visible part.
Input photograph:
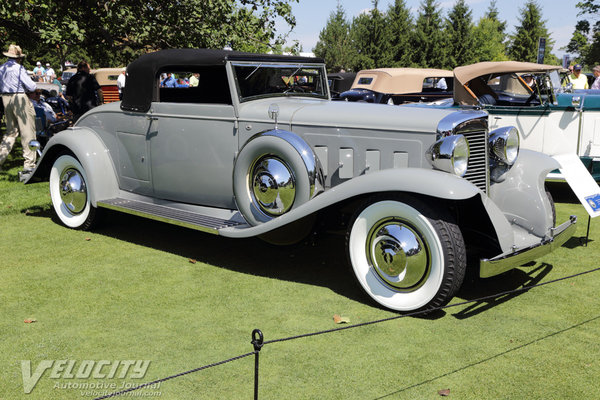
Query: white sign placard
(581, 182)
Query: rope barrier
(258, 342)
(175, 376)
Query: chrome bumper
(512, 259)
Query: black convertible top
(142, 73)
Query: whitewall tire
(69, 191)
(405, 255)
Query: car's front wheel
(405, 255)
(70, 193)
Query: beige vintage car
(400, 85)
(107, 79)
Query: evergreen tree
(334, 42)
(459, 31)
(493, 13)
(524, 44)
(370, 40)
(399, 23)
(429, 41)
(489, 37)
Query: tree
(114, 32)
(459, 31)
(399, 23)
(370, 40)
(428, 40)
(489, 37)
(334, 42)
(524, 44)
(585, 42)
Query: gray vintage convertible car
(252, 145)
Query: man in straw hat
(18, 109)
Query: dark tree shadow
(318, 260)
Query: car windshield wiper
(253, 71)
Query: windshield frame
(257, 65)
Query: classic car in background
(399, 85)
(107, 79)
(531, 97)
(258, 148)
(340, 82)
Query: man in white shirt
(49, 73)
(121, 84)
(18, 110)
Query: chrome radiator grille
(477, 168)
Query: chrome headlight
(450, 154)
(504, 144)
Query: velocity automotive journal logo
(66, 371)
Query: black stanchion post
(587, 235)
(257, 342)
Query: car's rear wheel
(405, 255)
(69, 191)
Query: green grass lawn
(135, 289)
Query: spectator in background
(49, 73)
(578, 80)
(19, 112)
(596, 72)
(195, 79)
(36, 99)
(169, 81)
(38, 72)
(55, 81)
(121, 84)
(83, 91)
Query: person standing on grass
(83, 91)
(19, 112)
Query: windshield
(515, 89)
(257, 80)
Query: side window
(204, 85)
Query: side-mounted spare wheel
(275, 172)
(69, 190)
(406, 255)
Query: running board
(169, 215)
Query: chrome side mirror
(576, 101)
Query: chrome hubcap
(398, 254)
(273, 186)
(73, 191)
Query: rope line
(175, 376)
(429, 310)
(411, 314)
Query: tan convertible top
(398, 80)
(464, 75)
(107, 76)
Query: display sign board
(541, 50)
(581, 182)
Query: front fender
(411, 180)
(93, 155)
